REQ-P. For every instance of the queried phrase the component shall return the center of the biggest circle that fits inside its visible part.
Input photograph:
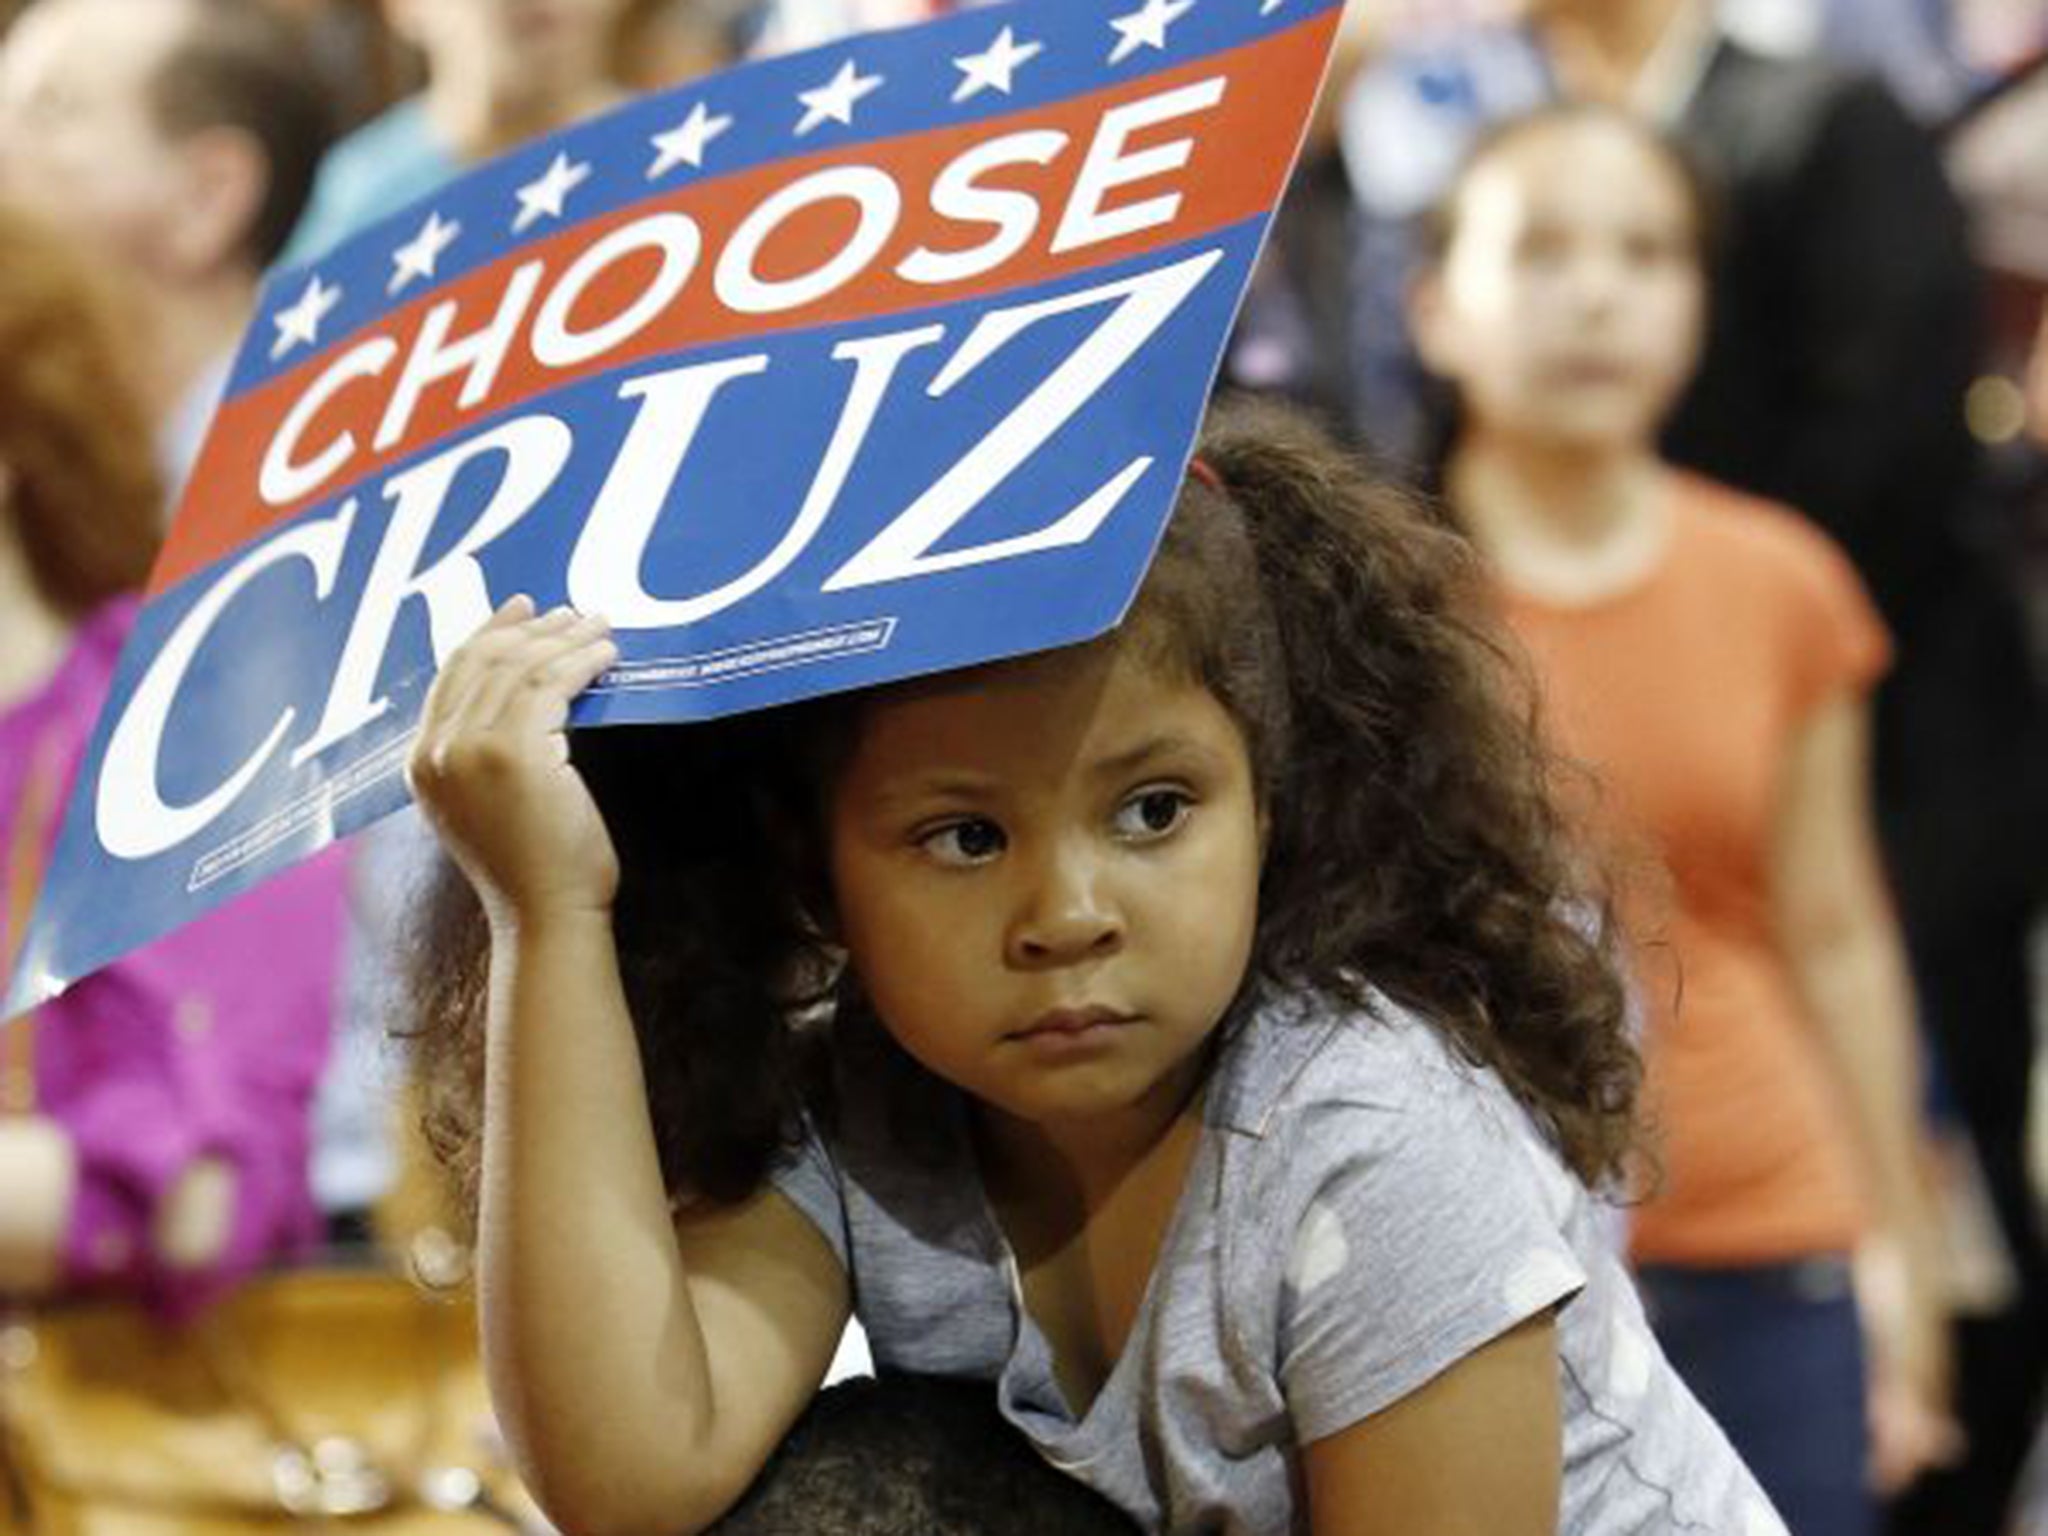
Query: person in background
(1842, 341)
(153, 1118)
(178, 139)
(497, 75)
(1829, 379)
(1711, 657)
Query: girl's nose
(1068, 914)
(1595, 280)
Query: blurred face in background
(1568, 298)
(79, 139)
(527, 47)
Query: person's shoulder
(396, 156)
(1397, 1209)
(1780, 569)
(1788, 104)
(105, 629)
(399, 129)
(1757, 59)
(1312, 1061)
(367, 173)
(1786, 89)
(86, 671)
(1381, 1092)
(1766, 537)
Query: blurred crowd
(1837, 337)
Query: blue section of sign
(894, 488)
(265, 678)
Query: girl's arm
(643, 1367)
(1476, 1452)
(1835, 921)
(643, 1371)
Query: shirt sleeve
(810, 1182)
(1421, 1230)
(1839, 643)
(207, 1043)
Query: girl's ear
(223, 174)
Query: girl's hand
(491, 764)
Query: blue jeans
(1775, 1353)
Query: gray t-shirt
(1363, 1211)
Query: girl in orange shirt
(1710, 656)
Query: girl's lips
(1592, 371)
(1070, 1022)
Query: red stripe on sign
(730, 267)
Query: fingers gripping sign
(491, 770)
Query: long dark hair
(1414, 847)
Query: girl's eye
(1152, 813)
(1541, 248)
(1643, 247)
(975, 840)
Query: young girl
(1215, 1063)
(1711, 657)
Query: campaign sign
(834, 368)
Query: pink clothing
(207, 1042)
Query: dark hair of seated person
(904, 1455)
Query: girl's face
(1047, 878)
(1567, 308)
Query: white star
(685, 143)
(834, 100)
(542, 197)
(1146, 27)
(299, 325)
(416, 258)
(991, 70)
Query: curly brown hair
(1414, 849)
(75, 441)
